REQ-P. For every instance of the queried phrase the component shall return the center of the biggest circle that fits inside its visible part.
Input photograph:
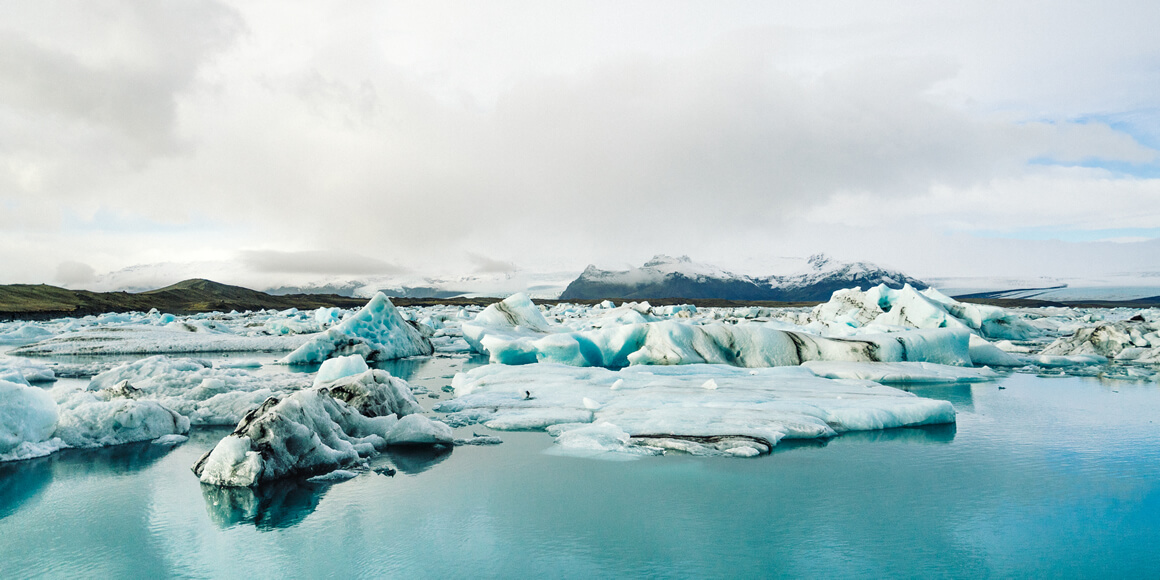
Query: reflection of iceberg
(942, 433)
(403, 368)
(417, 459)
(22, 481)
(958, 395)
(278, 504)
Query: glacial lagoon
(1040, 476)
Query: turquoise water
(1045, 477)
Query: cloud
(322, 262)
(433, 138)
(486, 265)
(74, 273)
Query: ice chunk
(516, 315)
(171, 440)
(28, 418)
(25, 371)
(1109, 340)
(24, 334)
(339, 367)
(374, 393)
(377, 332)
(334, 476)
(666, 407)
(90, 420)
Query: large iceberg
(320, 429)
(705, 409)
(377, 332)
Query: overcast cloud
(374, 138)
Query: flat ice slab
(645, 409)
(900, 372)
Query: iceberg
(107, 418)
(377, 332)
(195, 389)
(318, 430)
(28, 417)
(646, 409)
(746, 345)
(25, 371)
(1137, 341)
(882, 306)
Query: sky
(263, 142)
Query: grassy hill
(41, 301)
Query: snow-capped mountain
(668, 277)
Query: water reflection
(272, 505)
(415, 459)
(287, 502)
(923, 434)
(959, 395)
(403, 368)
(926, 434)
(23, 481)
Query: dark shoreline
(44, 302)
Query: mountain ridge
(667, 277)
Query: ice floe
(644, 409)
(900, 372)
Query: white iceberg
(886, 307)
(197, 390)
(105, 418)
(35, 422)
(28, 418)
(667, 407)
(377, 332)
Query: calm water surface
(1045, 477)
